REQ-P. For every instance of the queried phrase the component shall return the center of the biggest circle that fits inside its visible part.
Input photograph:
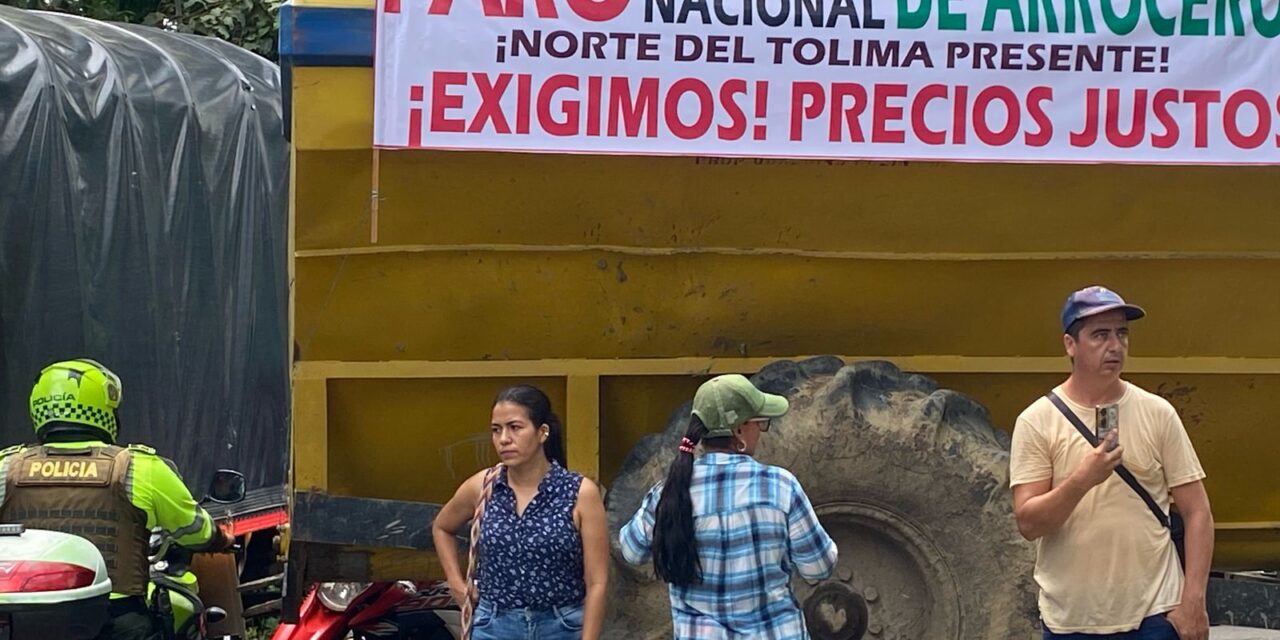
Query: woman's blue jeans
(557, 623)
(1153, 628)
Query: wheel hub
(892, 583)
(835, 612)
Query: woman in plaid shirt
(726, 531)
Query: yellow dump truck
(618, 284)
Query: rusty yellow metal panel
(414, 439)
(327, 109)
(582, 410)
(893, 209)
(310, 435)
(529, 305)
(632, 407)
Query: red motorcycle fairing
(318, 622)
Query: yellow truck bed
(619, 283)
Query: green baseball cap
(724, 402)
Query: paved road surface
(1241, 633)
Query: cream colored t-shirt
(1111, 564)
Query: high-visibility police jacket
(113, 496)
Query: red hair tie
(687, 445)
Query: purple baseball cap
(1090, 301)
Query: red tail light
(27, 576)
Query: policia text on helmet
(76, 400)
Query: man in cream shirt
(1106, 566)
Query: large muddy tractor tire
(912, 483)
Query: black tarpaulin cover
(143, 223)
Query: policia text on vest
(71, 471)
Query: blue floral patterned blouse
(535, 559)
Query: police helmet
(77, 391)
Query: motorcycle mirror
(214, 615)
(227, 486)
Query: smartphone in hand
(1106, 420)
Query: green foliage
(252, 24)
(262, 628)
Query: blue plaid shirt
(754, 524)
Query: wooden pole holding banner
(373, 199)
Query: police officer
(78, 481)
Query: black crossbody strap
(1120, 470)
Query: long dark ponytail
(675, 549)
(538, 406)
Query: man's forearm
(1045, 513)
(1198, 541)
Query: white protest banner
(1143, 81)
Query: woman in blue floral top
(542, 563)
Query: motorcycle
(55, 585)
(52, 585)
(380, 611)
